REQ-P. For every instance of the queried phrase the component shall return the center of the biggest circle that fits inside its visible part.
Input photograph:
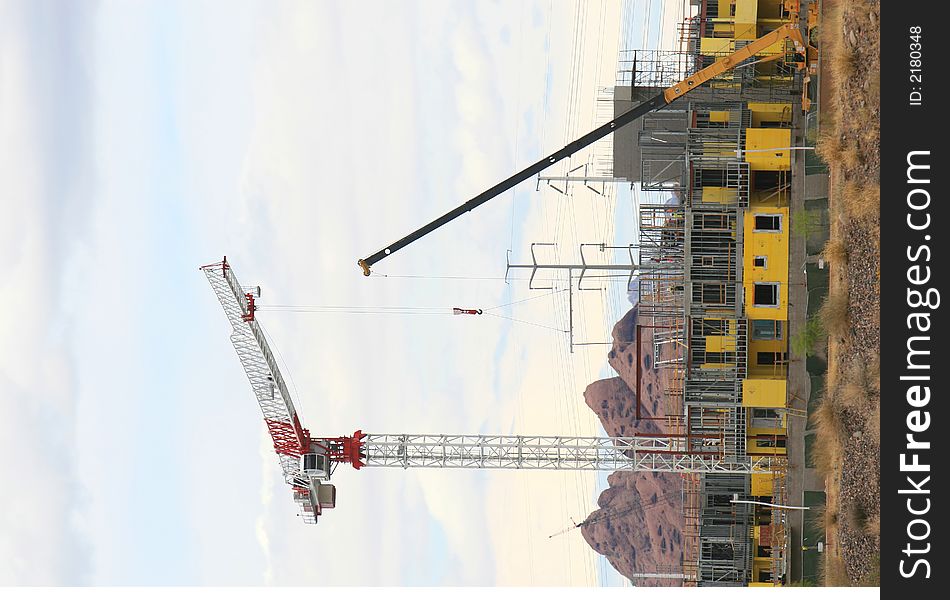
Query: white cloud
(302, 138)
(411, 374)
(268, 483)
(43, 499)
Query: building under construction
(714, 275)
(714, 269)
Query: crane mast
(670, 454)
(308, 461)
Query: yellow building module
(765, 263)
(764, 393)
(768, 149)
(770, 114)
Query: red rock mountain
(639, 524)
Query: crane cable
(410, 310)
(495, 278)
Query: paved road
(799, 477)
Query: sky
(141, 140)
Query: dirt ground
(849, 429)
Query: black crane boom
(500, 188)
(787, 31)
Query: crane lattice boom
(290, 439)
(638, 453)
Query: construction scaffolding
(777, 533)
(695, 153)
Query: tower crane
(308, 461)
(789, 31)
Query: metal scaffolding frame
(726, 546)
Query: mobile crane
(789, 31)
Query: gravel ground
(859, 488)
(859, 493)
(861, 470)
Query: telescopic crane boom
(788, 31)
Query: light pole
(735, 500)
(740, 151)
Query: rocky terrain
(638, 526)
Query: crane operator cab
(315, 464)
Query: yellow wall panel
(778, 313)
(726, 45)
(709, 45)
(767, 149)
(762, 484)
(719, 195)
(774, 247)
(720, 343)
(745, 19)
(747, 11)
(745, 31)
(764, 393)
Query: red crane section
(290, 438)
(308, 463)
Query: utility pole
(583, 178)
(735, 500)
(582, 271)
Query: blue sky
(144, 139)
